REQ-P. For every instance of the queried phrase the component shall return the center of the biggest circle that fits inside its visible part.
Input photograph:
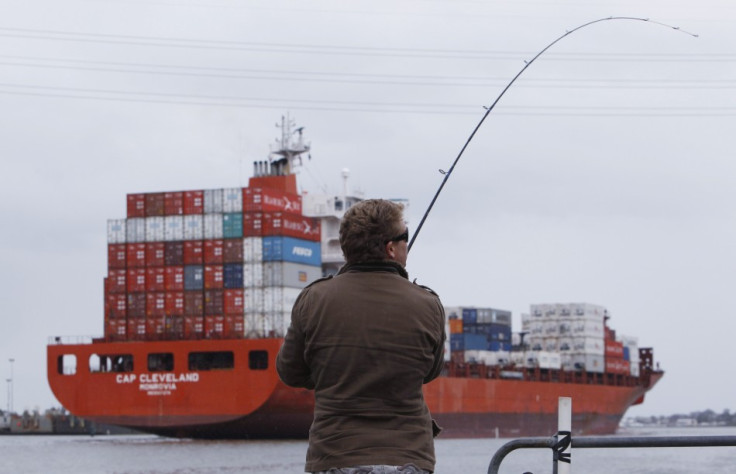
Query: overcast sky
(604, 175)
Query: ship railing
(61, 340)
(555, 443)
(562, 444)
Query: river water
(145, 454)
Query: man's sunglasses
(399, 238)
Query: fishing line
(490, 108)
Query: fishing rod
(490, 108)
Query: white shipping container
(551, 328)
(232, 200)
(154, 229)
(551, 344)
(587, 309)
(487, 357)
(589, 345)
(565, 327)
(173, 228)
(279, 299)
(536, 343)
(563, 309)
(455, 311)
(253, 275)
(252, 249)
(254, 325)
(517, 358)
(212, 201)
(543, 359)
(526, 321)
(635, 369)
(565, 344)
(588, 326)
(289, 274)
(589, 362)
(253, 300)
(213, 226)
(116, 231)
(193, 228)
(276, 323)
(135, 230)
(536, 327)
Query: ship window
(211, 360)
(258, 360)
(67, 364)
(99, 363)
(161, 362)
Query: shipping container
(292, 250)
(116, 256)
(614, 349)
(233, 275)
(155, 327)
(253, 275)
(173, 253)
(470, 316)
(155, 279)
(214, 327)
(155, 252)
(213, 276)
(290, 225)
(193, 252)
(173, 228)
(589, 345)
(588, 326)
(136, 280)
(193, 202)
(271, 200)
(175, 303)
(289, 274)
(279, 299)
(154, 204)
(487, 357)
(193, 227)
(194, 327)
(136, 205)
(116, 305)
(193, 303)
(577, 361)
(155, 304)
(232, 251)
(456, 326)
(232, 200)
(116, 329)
(154, 229)
(174, 328)
(212, 201)
(136, 255)
(253, 224)
(174, 203)
(116, 231)
(252, 249)
(214, 303)
(617, 365)
(232, 225)
(253, 300)
(136, 305)
(543, 359)
(174, 278)
(233, 303)
(193, 277)
(135, 230)
(212, 226)
(116, 281)
(234, 326)
(213, 251)
(136, 330)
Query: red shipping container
(300, 227)
(173, 253)
(116, 255)
(234, 326)
(271, 200)
(214, 276)
(193, 252)
(193, 202)
(175, 303)
(252, 224)
(154, 254)
(174, 278)
(174, 328)
(193, 303)
(615, 365)
(614, 349)
(136, 205)
(214, 327)
(233, 304)
(136, 329)
(154, 204)
(136, 255)
(116, 281)
(213, 251)
(213, 302)
(155, 304)
(194, 327)
(155, 327)
(116, 305)
(155, 279)
(174, 203)
(136, 280)
(232, 250)
(116, 329)
(136, 305)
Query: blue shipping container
(498, 346)
(289, 249)
(470, 316)
(457, 342)
(193, 277)
(475, 342)
(233, 275)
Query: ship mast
(286, 153)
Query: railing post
(561, 454)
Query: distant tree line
(707, 417)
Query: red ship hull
(248, 400)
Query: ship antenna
(447, 173)
(286, 154)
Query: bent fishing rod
(493, 105)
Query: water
(153, 455)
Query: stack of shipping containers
(481, 335)
(207, 264)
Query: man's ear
(391, 250)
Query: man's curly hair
(366, 228)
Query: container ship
(197, 299)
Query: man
(366, 340)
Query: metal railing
(557, 445)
